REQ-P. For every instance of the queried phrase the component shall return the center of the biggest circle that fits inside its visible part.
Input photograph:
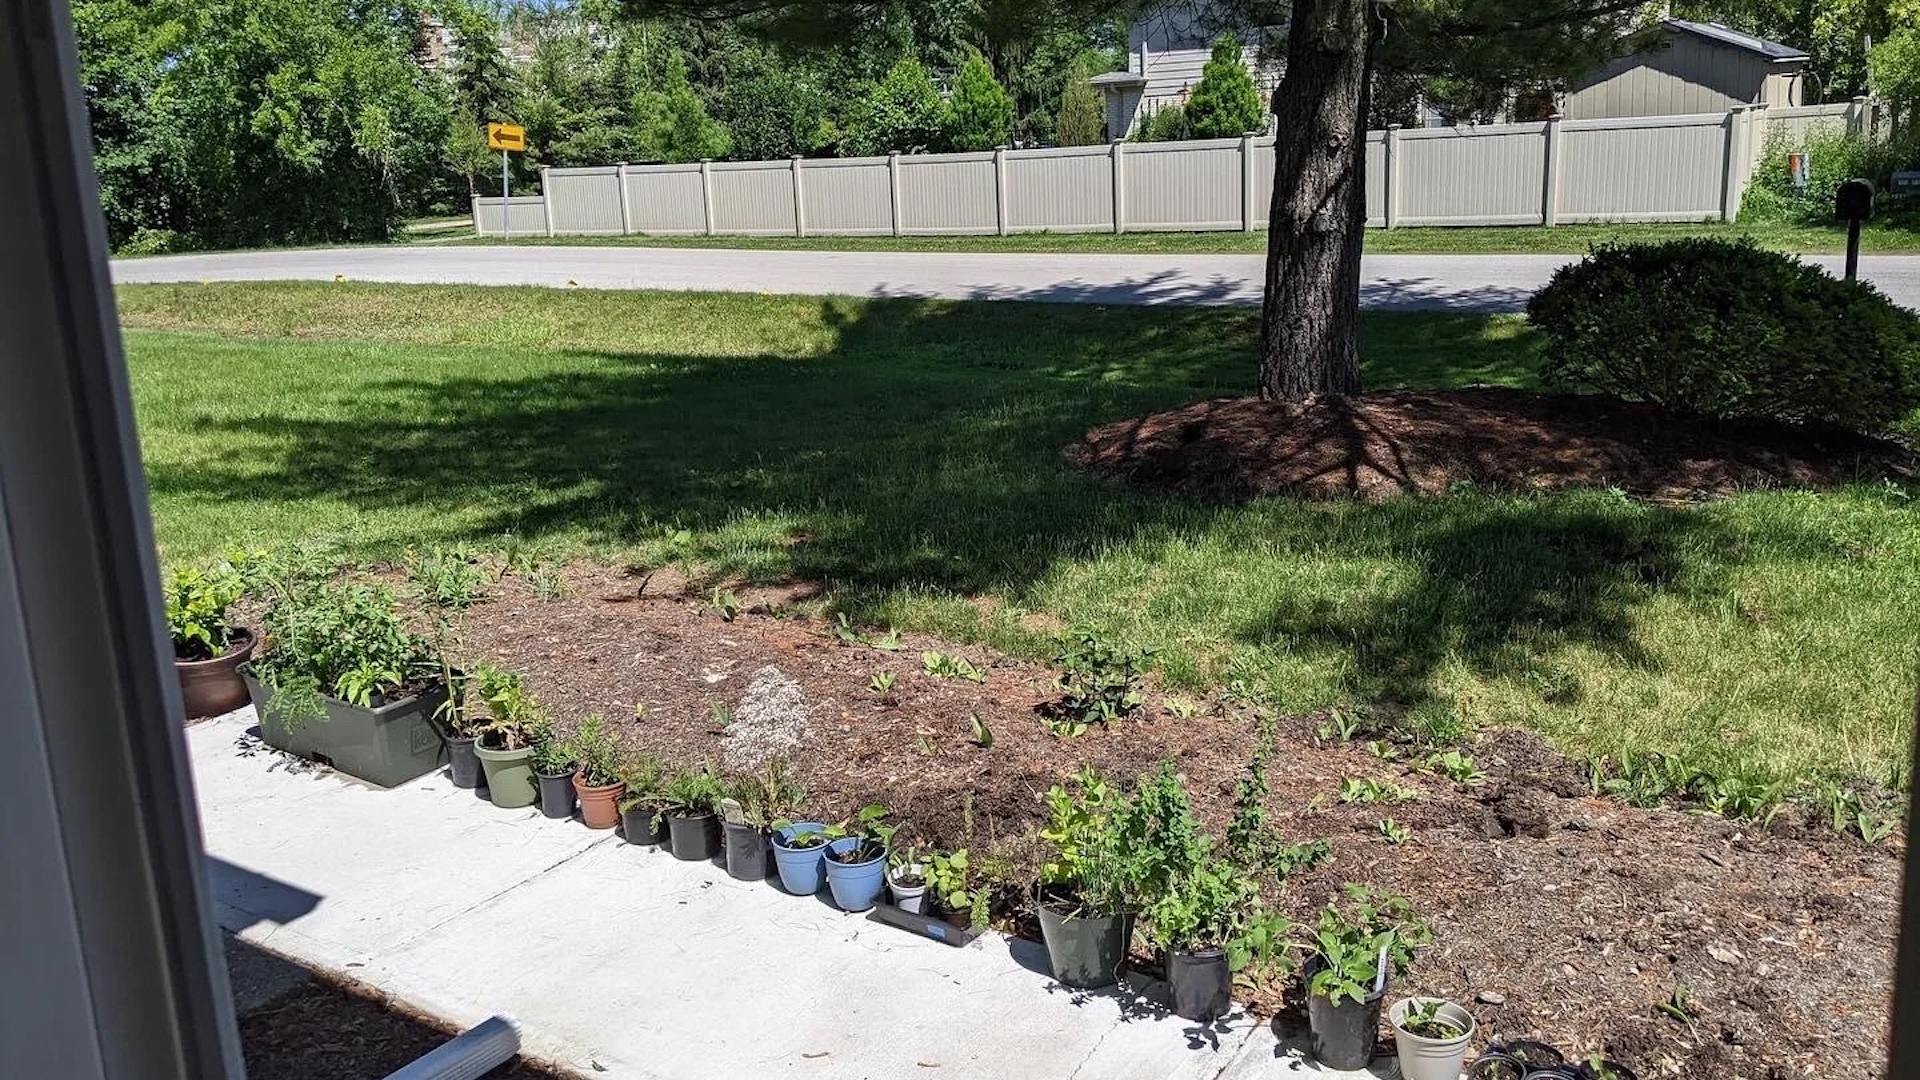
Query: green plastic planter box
(386, 746)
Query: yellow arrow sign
(506, 137)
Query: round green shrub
(1727, 329)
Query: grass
(906, 453)
(1522, 239)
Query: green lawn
(1563, 239)
(907, 453)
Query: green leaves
(1099, 684)
(348, 638)
(1346, 942)
(1225, 103)
(979, 112)
(197, 603)
(946, 666)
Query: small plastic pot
(1202, 984)
(746, 852)
(556, 794)
(801, 868)
(1606, 1070)
(1554, 1072)
(1344, 1034)
(509, 776)
(599, 806)
(1085, 951)
(463, 763)
(694, 838)
(855, 886)
(911, 898)
(1494, 1065)
(642, 827)
(1423, 1058)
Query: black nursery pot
(556, 795)
(1344, 1034)
(746, 852)
(639, 825)
(694, 838)
(465, 765)
(1202, 984)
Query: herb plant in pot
(1431, 1036)
(340, 677)
(553, 771)
(907, 879)
(208, 647)
(505, 738)
(640, 806)
(856, 858)
(690, 802)
(596, 776)
(1350, 955)
(749, 812)
(1086, 891)
(800, 855)
(461, 726)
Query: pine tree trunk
(1309, 321)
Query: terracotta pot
(212, 687)
(599, 806)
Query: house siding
(1682, 74)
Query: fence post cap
(1554, 118)
(1861, 99)
(1393, 127)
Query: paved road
(1431, 282)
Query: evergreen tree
(980, 114)
(1225, 102)
(672, 123)
(1082, 120)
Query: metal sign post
(1853, 204)
(506, 138)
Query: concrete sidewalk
(620, 961)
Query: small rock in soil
(1490, 997)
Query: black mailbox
(1854, 201)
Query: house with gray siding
(1689, 67)
(1166, 50)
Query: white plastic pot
(911, 898)
(1422, 1058)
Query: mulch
(1382, 445)
(321, 1031)
(1559, 916)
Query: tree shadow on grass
(922, 451)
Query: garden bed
(1380, 445)
(1557, 915)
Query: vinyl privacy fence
(1665, 168)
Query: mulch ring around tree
(1558, 915)
(1404, 442)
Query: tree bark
(1309, 320)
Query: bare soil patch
(1558, 915)
(1404, 442)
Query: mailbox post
(1853, 204)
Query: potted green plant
(950, 890)
(690, 802)
(1202, 909)
(504, 740)
(856, 858)
(1431, 1037)
(799, 855)
(208, 645)
(748, 814)
(597, 773)
(553, 771)
(640, 805)
(1085, 896)
(1351, 953)
(340, 677)
(459, 724)
(907, 878)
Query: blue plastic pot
(856, 886)
(800, 868)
